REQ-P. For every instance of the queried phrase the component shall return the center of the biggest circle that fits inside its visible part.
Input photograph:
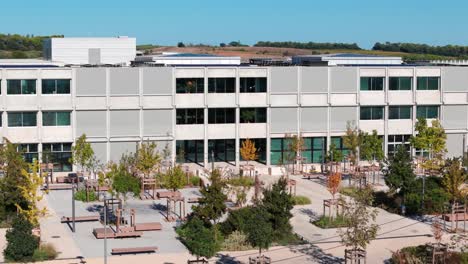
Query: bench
(167, 194)
(58, 186)
(99, 233)
(133, 250)
(193, 200)
(455, 217)
(89, 218)
(153, 226)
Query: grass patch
(290, 239)
(195, 180)
(349, 191)
(81, 196)
(241, 181)
(45, 252)
(328, 222)
(301, 200)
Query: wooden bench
(58, 186)
(133, 250)
(193, 200)
(167, 194)
(455, 217)
(99, 233)
(153, 226)
(89, 218)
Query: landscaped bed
(418, 254)
(329, 222)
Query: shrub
(236, 241)
(195, 181)
(435, 198)
(301, 200)
(236, 221)
(348, 191)
(45, 252)
(241, 181)
(328, 222)
(21, 242)
(387, 201)
(81, 196)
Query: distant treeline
(17, 42)
(307, 45)
(448, 50)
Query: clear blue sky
(215, 21)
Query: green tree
(199, 239)
(360, 220)
(147, 158)
(21, 243)
(334, 154)
(431, 139)
(123, 182)
(399, 175)
(260, 231)
(371, 146)
(174, 178)
(277, 202)
(453, 179)
(82, 153)
(211, 205)
(352, 141)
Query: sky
(214, 21)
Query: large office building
(203, 112)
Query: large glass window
(55, 86)
(29, 152)
(253, 85)
(56, 118)
(59, 154)
(260, 145)
(221, 115)
(190, 151)
(372, 112)
(372, 83)
(394, 141)
(21, 86)
(428, 83)
(339, 145)
(190, 85)
(400, 83)
(399, 112)
(222, 150)
(221, 85)
(22, 119)
(280, 151)
(189, 116)
(314, 150)
(427, 111)
(253, 115)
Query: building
(341, 59)
(190, 59)
(207, 111)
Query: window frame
(372, 84)
(22, 118)
(399, 108)
(426, 85)
(56, 86)
(260, 85)
(399, 84)
(22, 86)
(199, 85)
(56, 121)
(258, 116)
(220, 116)
(214, 85)
(426, 108)
(186, 117)
(371, 114)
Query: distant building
(345, 59)
(94, 51)
(186, 59)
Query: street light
(74, 178)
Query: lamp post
(73, 177)
(105, 232)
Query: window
(59, 154)
(372, 112)
(29, 152)
(253, 85)
(253, 115)
(372, 83)
(314, 150)
(190, 85)
(421, 153)
(21, 86)
(56, 86)
(221, 116)
(190, 151)
(399, 112)
(189, 116)
(56, 118)
(339, 145)
(222, 150)
(260, 145)
(221, 85)
(428, 83)
(22, 119)
(400, 83)
(394, 141)
(280, 153)
(427, 111)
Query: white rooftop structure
(346, 59)
(95, 51)
(172, 58)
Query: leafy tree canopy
(211, 205)
(399, 174)
(199, 239)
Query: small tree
(259, 229)
(174, 179)
(199, 239)
(431, 139)
(359, 218)
(454, 178)
(211, 205)
(371, 146)
(399, 175)
(352, 141)
(21, 241)
(82, 153)
(334, 155)
(147, 158)
(333, 185)
(123, 183)
(248, 150)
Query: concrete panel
(283, 79)
(283, 99)
(157, 80)
(454, 79)
(314, 99)
(86, 103)
(343, 79)
(343, 99)
(455, 98)
(428, 97)
(221, 131)
(367, 72)
(400, 127)
(186, 132)
(56, 73)
(283, 120)
(252, 130)
(22, 134)
(91, 123)
(370, 125)
(455, 145)
(454, 116)
(90, 81)
(428, 72)
(100, 150)
(117, 149)
(124, 81)
(252, 99)
(314, 79)
(400, 72)
(162, 101)
(189, 100)
(400, 97)
(314, 119)
(157, 122)
(221, 73)
(340, 116)
(125, 123)
(262, 72)
(22, 74)
(57, 134)
(221, 100)
(56, 102)
(372, 97)
(22, 102)
(189, 72)
(124, 102)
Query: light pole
(73, 177)
(105, 231)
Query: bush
(417, 255)
(195, 180)
(45, 252)
(236, 221)
(328, 222)
(435, 197)
(301, 200)
(21, 242)
(81, 196)
(349, 191)
(241, 181)
(236, 241)
(387, 201)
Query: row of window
(57, 153)
(399, 83)
(398, 112)
(221, 85)
(195, 116)
(49, 86)
(29, 119)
